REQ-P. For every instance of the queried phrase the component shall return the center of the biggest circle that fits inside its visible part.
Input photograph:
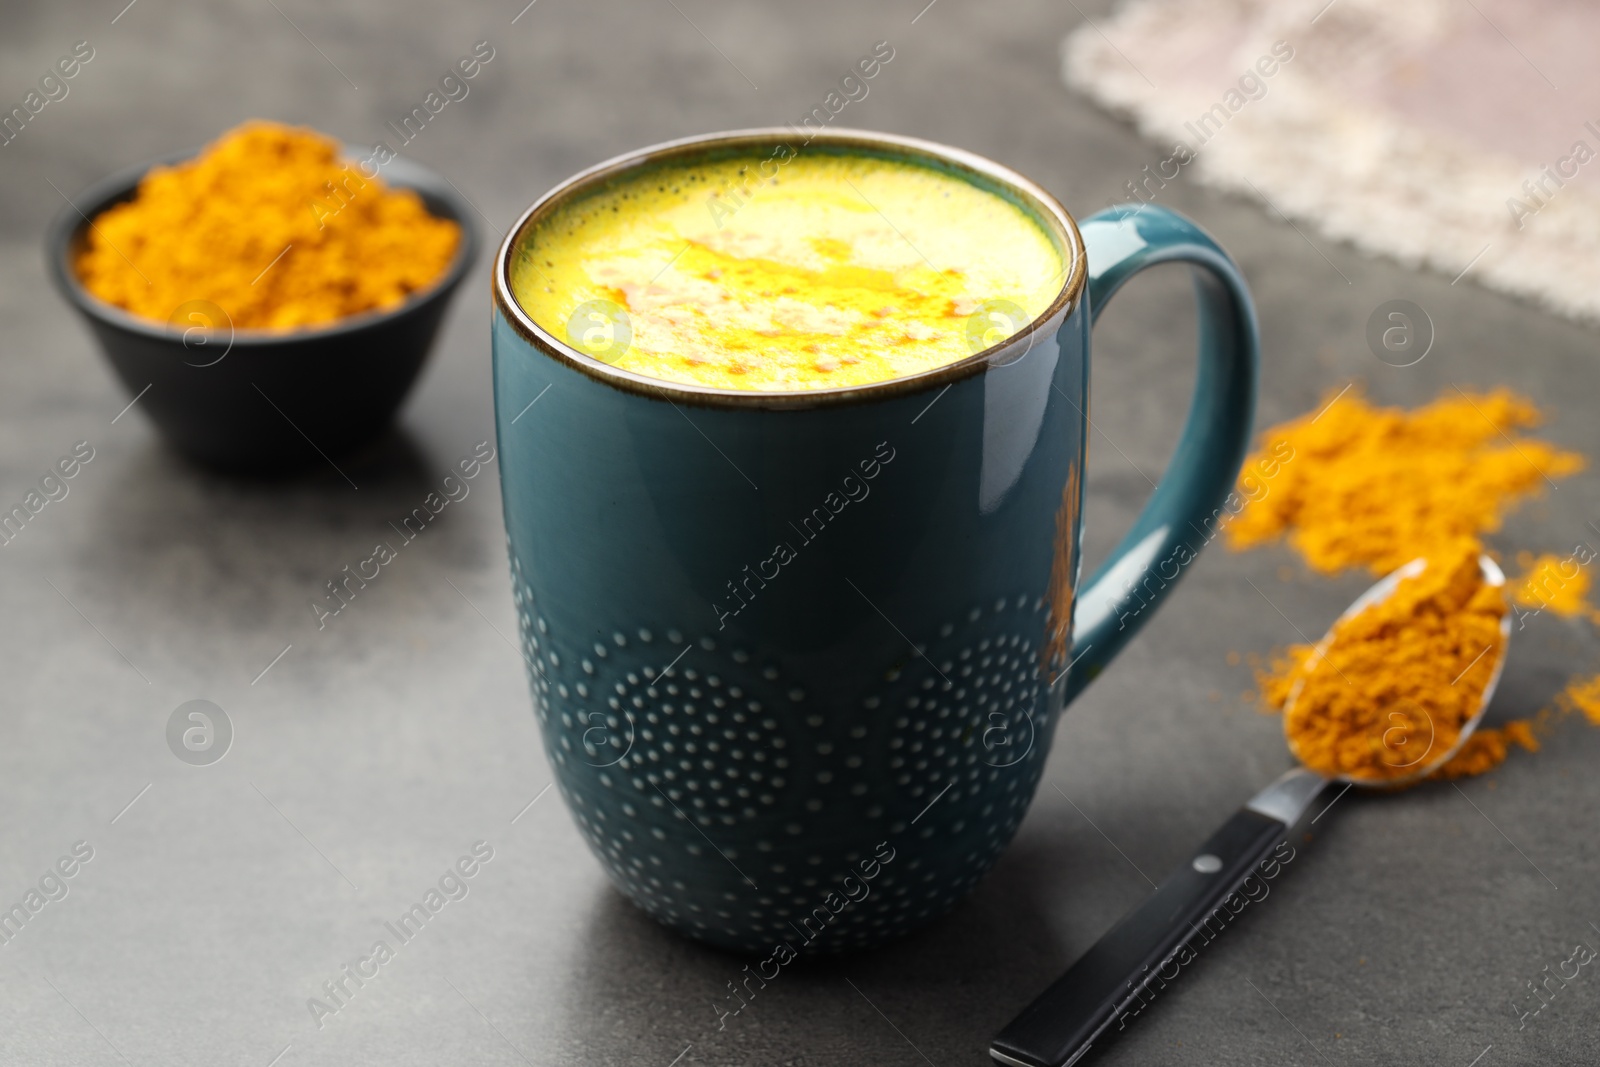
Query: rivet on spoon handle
(1070, 1017)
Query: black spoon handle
(1069, 1017)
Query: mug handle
(1181, 515)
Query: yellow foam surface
(814, 272)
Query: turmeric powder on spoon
(1395, 684)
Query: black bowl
(265, 401)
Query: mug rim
(1045, 206)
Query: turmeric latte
(272, 227)
(817, 271)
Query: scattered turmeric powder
(1487, 748)
(1551, 583)
(270, 226)
(1277, 679)
(1376, 487)
(1394, 685)
(1581, 694)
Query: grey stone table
(370, 755)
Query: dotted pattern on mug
(648, 729)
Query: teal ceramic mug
(798, 658)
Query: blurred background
(369, 755)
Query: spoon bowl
(1380, 591)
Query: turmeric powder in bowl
(1394, 685)
(271, 225)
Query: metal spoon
(1073, 1014)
